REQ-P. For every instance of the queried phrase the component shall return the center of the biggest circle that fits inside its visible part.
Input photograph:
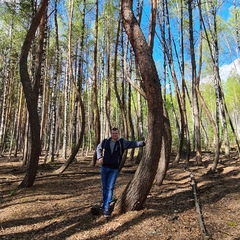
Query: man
(110, 160)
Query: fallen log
(198, 209)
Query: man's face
(115, 135)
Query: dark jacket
(112, 159)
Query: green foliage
(232, 92)
(16, 19)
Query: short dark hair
(114, 129)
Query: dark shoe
(107, 213)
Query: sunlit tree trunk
(152, 24)
(137, 190)
(97, 128)
(167, 136)
(68, 79)
(65, 117)
(120, 93)
(3, 112)
(70, 68)
(195, 83)
(130, 120)
(78, 101)
(139, 126)
(168, 51)
(5, 99)
(120, 98)
(201, 99)
(108, 121)
(40, 64)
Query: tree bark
(31, 99)
(137, 190)
(152, 24)
(166, 150)
(97, 127)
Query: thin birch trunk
(168, 48)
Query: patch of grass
(231, 224)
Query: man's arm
(99, 150)
(133, 144)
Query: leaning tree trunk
(31, 96)
(75, 148)
(78, 91)
(137, 190)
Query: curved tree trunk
(75, 149)
(79, 101)
(31, 95)
(216, 137)
(137, 190)
(166, 150)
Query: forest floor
(58, 207)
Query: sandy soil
(59, 206)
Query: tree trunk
(203, 103)
(137, 190)
(97, 127)
(19, 117)
(168, 51)
(166, 150)
(75, 149)
(195, 105)
(108, 124)
(152, 24)
(52, 130)
(31, 99)
(79, 101)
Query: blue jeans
(109, 177)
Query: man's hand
(100, 160)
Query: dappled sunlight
(59, 206)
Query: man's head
(115, 133)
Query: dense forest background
(83, 68)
